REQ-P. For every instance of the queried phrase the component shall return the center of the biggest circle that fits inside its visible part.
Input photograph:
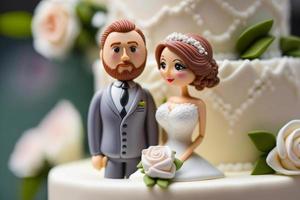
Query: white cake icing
(77, 181)
(219, 21)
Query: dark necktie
(124, 98)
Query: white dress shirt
(116, 94)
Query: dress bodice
(179, 124)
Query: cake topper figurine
(121, 119)
(186, 59)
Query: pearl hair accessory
(188, 40)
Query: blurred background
(31, 85)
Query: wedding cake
(253, 94)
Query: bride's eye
(179, 66)
(162, 65)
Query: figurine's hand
(98, 161)
(104, 161)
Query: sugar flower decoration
(285, 157)
(159, 165)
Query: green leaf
(142, 171)
(258, 48)
(163, 183)
(30, 187)
(261, 167)
(84, 39)
(264, 141)
(15, 24)
(253, 33)
(294, 53)
(289, 43)
(85, 12)
(140, 165)
(178, 163)
(150, 182)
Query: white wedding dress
(179, 124)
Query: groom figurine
(121, 119)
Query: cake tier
(79, 181)
(220, 21)
(258, 94)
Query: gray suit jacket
(114, 137)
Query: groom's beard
(125, 71)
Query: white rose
(27, 158)
(285, 157)
(55, 27)
(158, 162)
(63, 134)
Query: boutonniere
(142, 103)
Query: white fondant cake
(77, 181)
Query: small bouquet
(159, 165)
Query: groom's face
(124, 55)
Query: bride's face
(174, 70)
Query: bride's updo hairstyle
(196, 53)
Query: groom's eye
(133, 49)
(116, 49)
(162, 65)
(179, 66)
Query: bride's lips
(170, 80)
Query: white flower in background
(27, 158)
(99, 19)
(55, 27)
(285, 157)
(57, 139)
(158, 162)
(63, 134)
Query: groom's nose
(125, 56)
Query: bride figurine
(187, 59)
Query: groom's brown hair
(121, 26)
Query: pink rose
(55, 27)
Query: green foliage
(15, 24)
(30, 187)
(86, 10)
(253, 33)
(261, 167)
(140, 165)
(264, 141)
(290, 46)
(178, 163)
(163, 183)
(289, 43)
(84, 39)
(258, 48)
(150, 182)
(294, 53)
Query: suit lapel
(136, 100)
(110, 101)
